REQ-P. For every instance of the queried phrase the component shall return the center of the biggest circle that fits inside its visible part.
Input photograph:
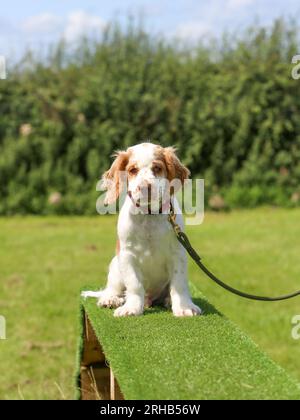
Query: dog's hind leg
(113, 294)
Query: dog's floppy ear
(175, 169)
(112, 179)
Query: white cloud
(75, 25)
(193, 30)
(80, 23)
(214, 17)
(42, 24)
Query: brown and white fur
(150, 264)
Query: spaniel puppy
(150, 264)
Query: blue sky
(40, 22)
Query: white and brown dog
(150, 265)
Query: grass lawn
(45, 261)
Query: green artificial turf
(158, 356)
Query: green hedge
(231, 108)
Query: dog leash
(184, 240)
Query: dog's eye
(156, 169)
(133, 171)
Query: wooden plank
(115, 391)
(95, 383)
(92, 350)
(97, 379)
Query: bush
(231, 109)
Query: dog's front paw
(187, 310)
(128, 310)
(110, 301)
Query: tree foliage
(232, 110)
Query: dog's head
(150, 172)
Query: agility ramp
(160, 357)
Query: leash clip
(172, 220)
